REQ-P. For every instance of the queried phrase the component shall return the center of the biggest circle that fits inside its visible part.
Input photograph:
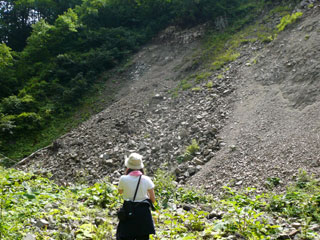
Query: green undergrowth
(34, 205)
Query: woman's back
(140, 224)
(128, 183)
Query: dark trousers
(145, 237)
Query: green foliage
(27, 199)
(272, 182)
(16, 105)
(5, 56)
(228, 56)
(185, 85)
(304, 180)
(8, 82)
(282, 10)
(266, 38)
(7, 124)
(196, 89)
(18, 115)
(220, 76)
(193, 147)
(210, 84)
(287, 20)
(165, 188)
(202, 76)
(17, 16)
(189, 152)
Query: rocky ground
(259, 120)
(274, 127)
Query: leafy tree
(8, 82)
(17, 17)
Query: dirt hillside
(274, 128)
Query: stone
(73, 155)
(109, 162)
(315, 227)
(51, 220)
(238, 183)
(192, 170)
(233, 147)
(283, 236)
(199, 117)
(178, 170)
(29, 236)
(197, 161)
(293, 233)
(187, 207)
(48, 206)
(99, 220)
(296, 225)
(158, 97)
(186, 174)
(41, 223)
(215, 214)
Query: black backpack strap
(134, 198)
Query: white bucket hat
(134, 161)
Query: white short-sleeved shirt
(129, 183)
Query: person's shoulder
(147, 178)
(124, 177)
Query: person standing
(135, 184)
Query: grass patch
(196, 89)
(209, 84)
(193, 147)
(202, 76)
(185, 85)
(189, 152)
(287, 20)
(223, 59)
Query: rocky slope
(274, 128)
(257, 121)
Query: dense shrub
(8, 81)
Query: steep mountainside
(274, 128)
(257, 118)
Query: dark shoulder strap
(137, 188)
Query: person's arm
(120, 186)
(151, 195)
